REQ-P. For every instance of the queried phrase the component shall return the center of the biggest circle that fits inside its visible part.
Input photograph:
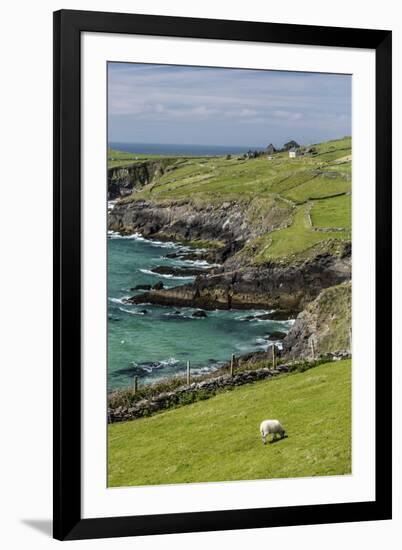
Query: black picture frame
(68, 27)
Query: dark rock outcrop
(277, 335)
(123, 180)
(287, 288)
(141, 287)
(199, 313)
(178, 271)
(158, 286)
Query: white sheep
(273, 427)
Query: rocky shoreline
(235, 283)
(284, 288)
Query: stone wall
(188, 394)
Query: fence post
(232, 365)
(135, 384)
(188, 373)
(350, 339)
(312, 347)
(273, 356)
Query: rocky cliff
(123, 180)
(324, 326)
(223, 223)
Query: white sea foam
(133, 236)
(118, 300)
(152, 242)
(131, 311)
(244, 347)
(180, 316)
(151, 366)
(253, 317)
(166, 275)
(203, 264)
(116, 235)
(162, 244)
(169, 362)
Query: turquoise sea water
(158, 343)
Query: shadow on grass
(276, 440)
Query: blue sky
(202, 105)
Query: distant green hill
(218, 439)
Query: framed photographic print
(222, 268)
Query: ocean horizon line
(181, 148)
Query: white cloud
(287, 115)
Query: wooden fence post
(273, 356)
(312, 347)
(232, 365)
(188, 373)
(135, 384)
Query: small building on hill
(292, 144)
(293, 153)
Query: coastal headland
(275, 231)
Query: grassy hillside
(337, 211)
(332, 313)
(298, 237)
(300, 196)
(218, 439)
(219, 179)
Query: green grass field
(218, 439)
(334, 212)
(289, 241)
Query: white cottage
(293, 153)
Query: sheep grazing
(273, 427)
